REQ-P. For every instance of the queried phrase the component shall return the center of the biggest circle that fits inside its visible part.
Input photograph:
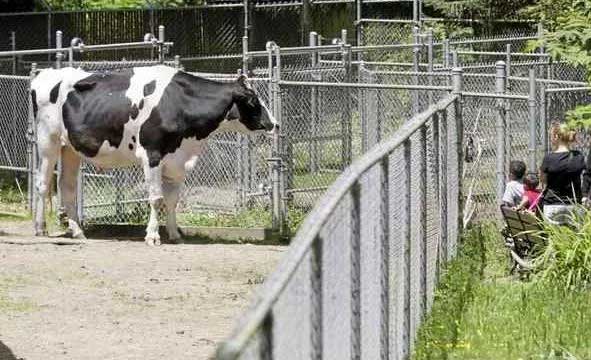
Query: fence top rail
(577, 89)
(364, 86)
(495, 95)
(298, 50)
(498, 53)
(487, 40)
(312, 226)
(14, 77)
(116, 46)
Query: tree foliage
(479, 9)
(117, 4)
(568, 38)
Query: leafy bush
(566, 258)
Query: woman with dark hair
(561, 173)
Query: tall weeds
(566, 259)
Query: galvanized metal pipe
(500, 88)
(533, 133)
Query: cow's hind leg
(171, 190)
(68, 183)
(48, 153)
(153, 177)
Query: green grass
(481, 313)
(256, 217)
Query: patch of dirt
(121, 299)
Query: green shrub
(566, 259)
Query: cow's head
(247, 109)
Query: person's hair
(531, 181)
(561, 133)
(517, 169)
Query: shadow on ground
(6, 353)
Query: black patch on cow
(190, 107)
(149, 88)
(97, 113)
(141, 104)
(54, 93)
(134, 112)
(133, 138)
(193, 107)
(34, 103)
(130, 146)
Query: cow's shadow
(6, 353)
(137, 233)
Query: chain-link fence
(386, 226)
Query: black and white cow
(155, 116)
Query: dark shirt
(587, 178)
(563, 177)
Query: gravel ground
(121, 299)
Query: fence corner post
(500, 88)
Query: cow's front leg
(68, 183)
(171, 191)
(153, 177)
(48, 152)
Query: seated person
(561, 172)
(514, 188)
(531, 195)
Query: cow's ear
(84, 85)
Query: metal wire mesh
(14, 117)
(359, 285)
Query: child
(514, 188)
(531, 194)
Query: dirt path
(121, 299)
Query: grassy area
(481, 313)
(256, 217)
(9, 305)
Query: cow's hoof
(153, 240)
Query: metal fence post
(13, 48)
(31, 148)
(500, 88)
(422, 216)
(58, 45)
(316, 298)
(416, 59)
(443, 185)
(313, 143)
(508, 66)
(430, 65)
(406, 209)
(245, 55)
(384, 259)
(446, 54)
(533, 131)
(346, 127)
(58, 65)
(275, 159)
(177, 62)
(161, 40)
(455, 61)
(457, 89)
(356, 272)
(544, 119)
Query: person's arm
(523, 204)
